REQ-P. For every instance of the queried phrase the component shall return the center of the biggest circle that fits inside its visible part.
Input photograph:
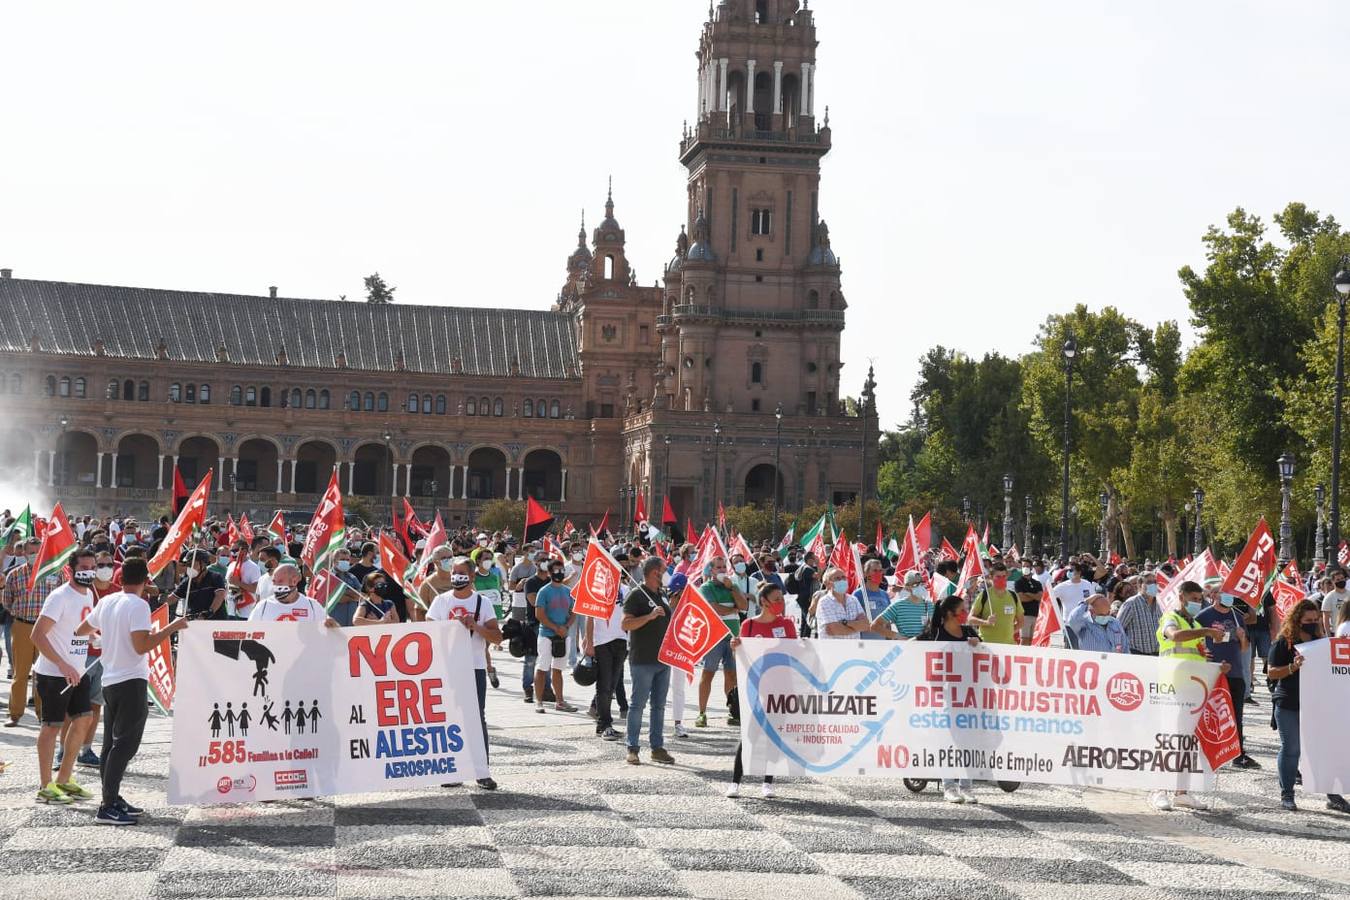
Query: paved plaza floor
(573, 819)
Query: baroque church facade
(720, 385)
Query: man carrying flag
(21, 529)
(27, 587)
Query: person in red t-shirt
(770, 623)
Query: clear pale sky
(993, 162)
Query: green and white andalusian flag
(58, 545)
(21, 529)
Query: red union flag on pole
(191, 518)
(1247, 578)
(160, 661)
(326, 530)
(694, 630)
(1047, 621)
(845, 556)
(598, 590)
(1216, 728)
(245, 528)
(278, 527)
(58, 544)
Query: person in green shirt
(487, 581)
(721, 592)
(996, 611)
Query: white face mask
(578, 557)
(104, 573)
(193, 572)
(282, 591)
(447, 564)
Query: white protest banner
(289, 709)
(921, 709)
(1324, 728)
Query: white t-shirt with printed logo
(66, 607)
(447, 606)
(302, 609)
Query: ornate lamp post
(1286, 467)
(623, 506)
(777, 455)
(1104, 501)
(717, 465)
(1199, 497)
(1320, 554)
(1069, 352)
(389, 460)
(965, 509)
(1026, 534)
(667, 471)
(65, 454)
(431, 486)
(1007, 512)
(1341, 281)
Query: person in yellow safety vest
(1180, 636)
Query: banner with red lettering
(1323, 726)
(292, 709)
(918, 709)
(160, 660)
(695, 628)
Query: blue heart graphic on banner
(835, 755)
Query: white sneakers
(1189, 801)
(967, 796)
(680, 732)
(767, 792)
(733, 790)
(1160, 801)
(952, 795)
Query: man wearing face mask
(729, 602)
(905, 617)
(1140, 616)
(473, 612)
(872, 597)
(1332, 600)
(996, 611)
(287, 603)
(24, 605)
(531, 588)
(1072, 592)
(106, 581)
(1096, 629)
(487, 582)
(553, 608)
(740, 576)
(61, 682)
(202, 588)
(367, 562)
(1231, 649)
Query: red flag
(180, 493)
(58, 545)
(721, 518)
(392, 560)
(398, 520)
(738, 545)
(667, 512)
(1286, 596)
(689, 533)
(1216, 728)
(923, 533)
(278, 527)
(603, 522)
(640, 513)
(845, 556)
(538, 520)
(1343, 554)
(948, 551)
(695, 628)
(1047, 621)
(245, 529)
(552, 549)
(1115, 558)
(909, 557)
(231, 530)
(436, 536)
(1169, 597)
(326, 529)
(191, 518)
(568, 527)
(160, 660)
(598, 589)
(709, 546)
(880, 544)
(1252, 568)
(985, 539)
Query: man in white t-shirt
(62, 685)
(123, 623)
(241, 576)
(1072, 592)
(474, 612)
(287, 603)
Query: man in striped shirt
(908, 613)
(1139, 616)
(24, 606)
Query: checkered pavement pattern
(572, 819)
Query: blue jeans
(962, 783)
(651, 681)
(1286, 722)
(527, 674)
(9, 639)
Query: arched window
(440, 404)
(79, 386)
(426, 404)
(497, 408)
(541, 408)
(143, 391)
(265, 397)
(64, 389)
(311, 399)
(609, 267)
(190, 393)
(111, 392)
(484, 408)
(236, 395)
(204, 394)
(295, 398)
(529, 408)
(323, 399)
(51, 385)
(368, 404)
(128, 390)
(472, 407)
(16, 384)
(813, 300)
(250, 396)
(553, 410)
(284, 399)
(756, 373)
(383, 404)
(412, 404)
(354, 401)
(175, 392)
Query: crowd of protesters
(517, 597)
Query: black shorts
(56, 706)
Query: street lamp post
(666, 485)
(1199, 539)
(623, 506)
(1007, 512)
(965, 510)
(1026, 533)
(389, 460)
(1320, 553)
(431, 486)
(1286, 467)
(1342, 284)
(777, 455)
(1104, 501)
(717, 465)
(65, 454)
(1069, 351)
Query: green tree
(498, 515)
(377, 291)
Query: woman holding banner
(769, 623)
(1304, 623)
(946, 625)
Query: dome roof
(821, 254)
(701, 249)
(581, 257)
